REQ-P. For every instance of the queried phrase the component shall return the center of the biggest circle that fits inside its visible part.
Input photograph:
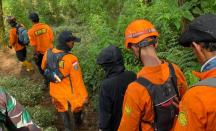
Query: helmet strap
(144, 43)
(140, 61)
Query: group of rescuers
(157, 98)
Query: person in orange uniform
(40, 39)
(71, 88)
(20, 50)
(138, 106)
(197, 109)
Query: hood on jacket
(111, 60)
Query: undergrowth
(29, 95)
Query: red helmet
(10, 19)
(139, 30)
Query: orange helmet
(10, 19)
(139, 30)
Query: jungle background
(99, 23)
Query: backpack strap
(145, 83)
(174, 79)
(58, 57)
(49, 55)
(17, 27)
(206, 82)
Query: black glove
(10, 47)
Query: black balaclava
(62, 45)
(64, 37)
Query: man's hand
(86, 100)
(176, 104)
(10, 47)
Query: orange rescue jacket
(14, 39)
(41, 36)
(68, 65)
(197, 109)
(137, 100)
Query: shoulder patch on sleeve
(184, 109)
(61, 64)
(182, 118)
(128, 110)
(76, 67)
(74, 63)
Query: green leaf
(204, 4)
(187, 6)
(194, 1)
(177, 23)
(188, 15)
(197, 11)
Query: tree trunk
(147, 1)
(184, 21)
(2, 31)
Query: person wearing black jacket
(112, 90)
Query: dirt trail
(9, 65)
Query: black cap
(67, 36)
(201, 29)
(33, 16)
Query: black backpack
(162, 97)
(22, 33)
(52, 66)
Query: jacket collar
(38, 24)
(204, 75)
(210, 64)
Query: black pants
(21, 54)
(38, 62)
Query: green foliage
(50, 129)
(27, 93)
(108, 31)
(191, 79)
(43, 117)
